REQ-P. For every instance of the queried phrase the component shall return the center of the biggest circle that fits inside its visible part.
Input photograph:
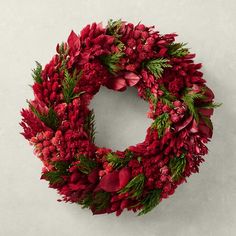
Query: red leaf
(115, 180)
(110, 182)
(74, 42)
(118, 84)
(124, 177)
(131, 78)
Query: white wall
(30, 31)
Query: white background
(30, 30)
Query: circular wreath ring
(60, 126)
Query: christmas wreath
(61, 127)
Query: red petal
(118, 84)
(205, 130)
(110, 182)
(209, 95)
(131, 78)
(183, 124)
(206, 112)
(124, 177)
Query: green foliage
(86, 165)
(99, 200)
(161, 123)
(50, 119)
(113, 28)
(118, 162)
(56, 177)
(37, 73)
(68, 85)
(89, 125)
(189, 99)
(150, 201)
(135, 186)
(156, 66)
(178, 49)
(111, 61)
(177, 166)
(210, 105)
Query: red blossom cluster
(60, 126)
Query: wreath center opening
(120, 118)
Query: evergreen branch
(177, 167)
(156, 66)
(161, 123)
(189, 100)
(113, 28)
(90, 125)
(111, 61)
(101, 200)
(68, 85)
(210, 105)
(118, 162)
(86, 165)
(150, 201)
(50, 119)
(135, 186)
(37, 73)
(56, 177)
(178, 50)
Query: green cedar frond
(118, 162)
(135, 186)
(113, 27)
(89, 125)
(210, 105)
(161, 123)
(178, 49)
(150, 201)
(37, 73)
(86, 165)
(177, 166)
(56, 177)
(68, 85)
(50, 119)
(101, 200)
(111, 61)
(189, 99)
(156, 66)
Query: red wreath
(60, 126)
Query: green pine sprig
(210, 105)
(150, 201)
(178, 49)
(86, 165)
(37, 73)
(118, 162)
(161, 123)
(111, 61)
(56, 177)
(50, 119)
(113, 28)
(135, 186)
(89, 125)
(68, 85)
(96, 201)
(189, 99)
(177, 166)
(101, 200)
(157, 66)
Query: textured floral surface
(60, 126)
